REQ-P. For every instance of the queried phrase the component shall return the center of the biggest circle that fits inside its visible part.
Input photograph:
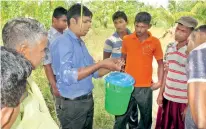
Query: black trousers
(133, 120)
(75, 114)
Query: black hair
(75, 11)
(119, 14)
(143, 17)
(59, 12)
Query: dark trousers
(143, 98)
(133, 120)
(75, 114)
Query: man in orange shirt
(138, 50)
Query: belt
(87, 96)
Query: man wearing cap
(172, 98)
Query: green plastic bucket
(118, 87)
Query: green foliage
(104, 10)
(166, 17)
(42, 11)
(161, 17)
(199, 10)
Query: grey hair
(14, 71)
(18, 30)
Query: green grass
(102, 119)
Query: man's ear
(202, 36)
(54, 20)
(22, 48)
(6, 115)
(150, 25)
(73, 21)
(127, 22)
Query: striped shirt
(114, 45)
(176, 81)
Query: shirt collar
(128, 31)
(70, 33)
(54, 31)
(203, 45)
(117, 35)
(175, 45)
(134, 36)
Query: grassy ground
(95, 42)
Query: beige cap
(187, 21)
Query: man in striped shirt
(113, 44)
(172, 97)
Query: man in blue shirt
(75, 69)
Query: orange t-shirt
(140, 56)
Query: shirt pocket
(147, 50)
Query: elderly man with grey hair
(29, 38)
